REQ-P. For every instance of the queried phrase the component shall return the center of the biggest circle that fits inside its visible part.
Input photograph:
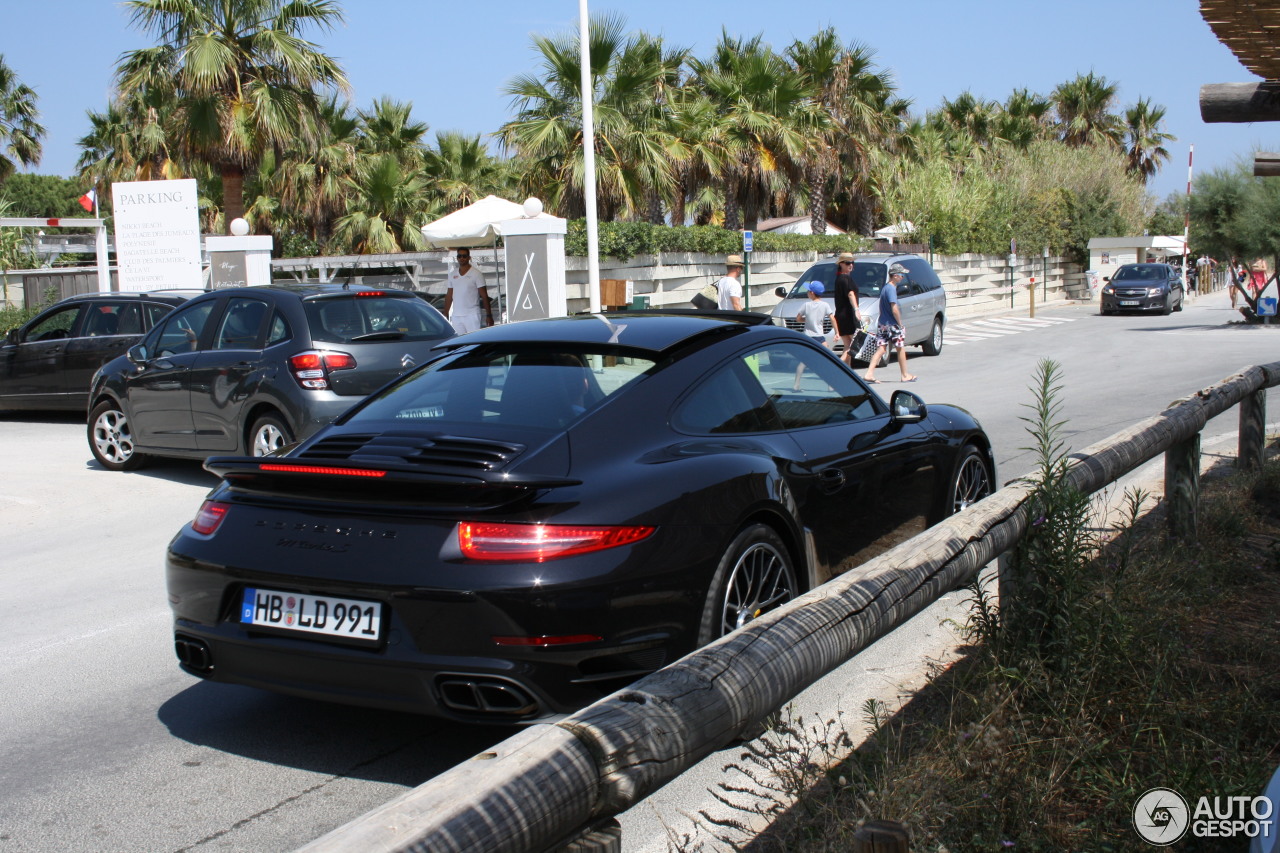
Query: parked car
(251, 369)
(46, 364)
(921, 297)
(1143, 287)
(553, 509)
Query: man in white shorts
(467, 296)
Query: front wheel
(933, 346)
(1168, 306)
(972, 481)
(754, 576)
(268, 435)
(111, 439)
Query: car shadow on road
(185, 471)
(322, 737)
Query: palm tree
(1084, 115)
(244, 77)
(462, 171)
(20, 132)
(634, 148)
(129, 142)
(1144, 138)
(311, 180)
(385, 208)
(767, 118)
(389, 128)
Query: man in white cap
(729, 288)
(889, 329)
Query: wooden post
(1253, 419)
(1240, 102)
(882, 836)
(1182, 487)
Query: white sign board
(157, 234)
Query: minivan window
(922, 274)
(868, 277)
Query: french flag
(89, 200)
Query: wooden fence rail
(557, 786)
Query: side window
(54, 326)
(279, 331)
(112, 318)
(809, 388)
(730, 400)
(922, 275)
(155, 312)
(240, 324)
(181, 330)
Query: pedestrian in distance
(467, 297)
(1239, 274)
(848, 317)
(813, 315)
(889, 327)
(728, 288)
(1257, 277)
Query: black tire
(269, 434)
(971, 481)
(933, 344)
(754, 576)
(1181, 299)
(111, 439)
(1168, 306)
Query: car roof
(304, 290)
(172, 295)
(651, 330)
(878, 257)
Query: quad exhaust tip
(487, 694)
(193, 654)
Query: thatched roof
(1251, 29)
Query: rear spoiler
(331, 480)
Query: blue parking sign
(746, 241)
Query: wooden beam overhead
(1266, 164)
(1240, 102)
(1250, 29)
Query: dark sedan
(251, 369)
(554, 508)
(1143, 288)
(48, 362)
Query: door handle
(831, 480)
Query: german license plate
(1129, 302)
(312, 614)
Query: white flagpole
(589, 159)
(105, 283)
(1186, 221)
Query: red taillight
(321, 469)
(209, 517)
(537, 543)
(544, 641)
(311, 368)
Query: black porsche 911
(554, 508)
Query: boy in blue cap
(813, 315)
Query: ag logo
(1161, 816)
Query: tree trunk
(818, 200)
(232, 195)
(732, 210)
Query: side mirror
(780, 292)
(1106, 278)
(906, 408)
(137, 354)
(11, 337)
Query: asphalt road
(106, 746)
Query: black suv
(47, 363)
(247, 370)
(1143, 287)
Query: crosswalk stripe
(989, 328)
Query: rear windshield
(547, 387)
(868, 276)
(351, 319)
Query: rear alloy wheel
(972, 482)
(933, 346)
(754, 576)
(111, 440)
(268, 435)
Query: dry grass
(1171, 677)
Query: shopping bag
(865, 344)
(706, 299)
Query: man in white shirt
(729, 288)
(466, 296)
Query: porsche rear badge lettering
(329, 530)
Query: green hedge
(623, 240)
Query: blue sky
(453, 59)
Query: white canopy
(896, 230)
(477, 224)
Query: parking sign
(746, 241)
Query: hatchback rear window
(356, 318)
(548, 387)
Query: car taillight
(312, 368)
(537, 543)
(360, 293)
(209, 517)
